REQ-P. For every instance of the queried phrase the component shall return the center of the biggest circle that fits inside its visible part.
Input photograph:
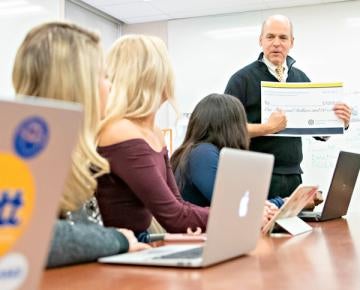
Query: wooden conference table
(328, 258)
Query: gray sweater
(81, 240)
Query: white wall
(159, 29)
(16, 19)
(108, 27)
(206, 51)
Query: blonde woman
(140, 184)
(64, 61)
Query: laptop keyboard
(310, 214)
(188, 254)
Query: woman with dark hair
(217, 121)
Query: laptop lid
(241, 186)
(342, 185)
(36, 141)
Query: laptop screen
(36, 141)
(342, 185)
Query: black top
(245, 84)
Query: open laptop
(340, 191)
(241, 186)
(37, 137)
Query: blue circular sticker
(31, 137)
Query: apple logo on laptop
(244, 203)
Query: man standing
(274, 64)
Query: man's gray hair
(277, 17)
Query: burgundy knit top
(140, 185)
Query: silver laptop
(36, 141)
(340, 191)
(241, 186)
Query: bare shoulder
(160, 136)
(119, 131)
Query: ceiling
(139, 11)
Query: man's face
(276, 41)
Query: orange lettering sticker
(17, 196)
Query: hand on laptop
(318, 198)
(197, 232)
(134, 245)
(270, 209)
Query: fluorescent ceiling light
(234, 32)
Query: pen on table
(155, 237)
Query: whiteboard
(206, 51)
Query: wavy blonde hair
(142, 78)
(63, 61)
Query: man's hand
(317, 199)
(276, 122)
(343, 112)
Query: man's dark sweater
(245, 84)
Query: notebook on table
(241, 186)
(340, 191)
(36, 141)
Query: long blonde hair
(139, 69)
(63, 61)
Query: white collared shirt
(271, 67)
